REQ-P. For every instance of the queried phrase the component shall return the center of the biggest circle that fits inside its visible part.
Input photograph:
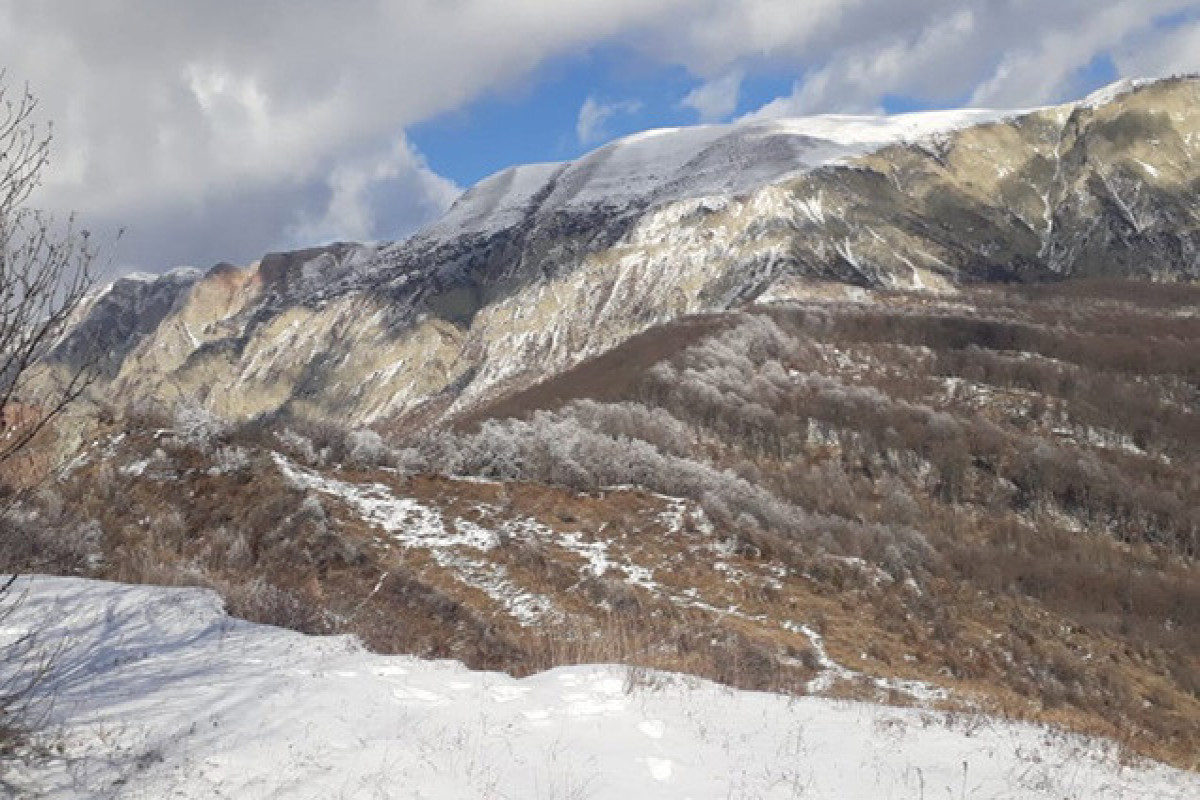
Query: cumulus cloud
(1043, 70)
(370, 197)
(716, 100)
(1171, 52)
(175, 119)
(1011, 54)
(217, 130)
(589, 125)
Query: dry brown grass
(1070, 599)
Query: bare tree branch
(46, 272)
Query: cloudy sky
(220, 129)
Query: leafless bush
(47, 540)
(366, 448)
(229, 458)
(260, 601)
(25, 664)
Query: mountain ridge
(538, 267)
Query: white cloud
(716, 100)
(589, 125)
(395, 181)
(1010, 54)
(1170, 53)
(715, 35)
(1042, 71)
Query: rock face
(540, 266)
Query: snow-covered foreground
(159, 695)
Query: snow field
(158, 694)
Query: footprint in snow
(660, 768)
(654, 728)
(386, 670)
(411, 694)
(607, 685)
(503, 694)
(580, 704)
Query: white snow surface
(1107, 94)
(176, 274)
(159, 694)
(673, 164)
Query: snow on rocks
(412, 524)
(158, 694)
(831, 672)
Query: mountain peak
(539, 266)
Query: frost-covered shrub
(230, 458)
(311, 508)
(300, 447)
(555, 447)
(410, 460)
(636, 421)
(366, 448)
(196, 425)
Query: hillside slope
(982, 500)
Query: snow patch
(414, 525)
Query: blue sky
(223, 130)
(537, 120)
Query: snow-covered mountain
(676, 164)
(968, 494)
(540, 266)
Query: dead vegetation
(993, 492)
(1024, 457)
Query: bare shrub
(366, 448)
(260, 601)
(25, 663)
(50, 540)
